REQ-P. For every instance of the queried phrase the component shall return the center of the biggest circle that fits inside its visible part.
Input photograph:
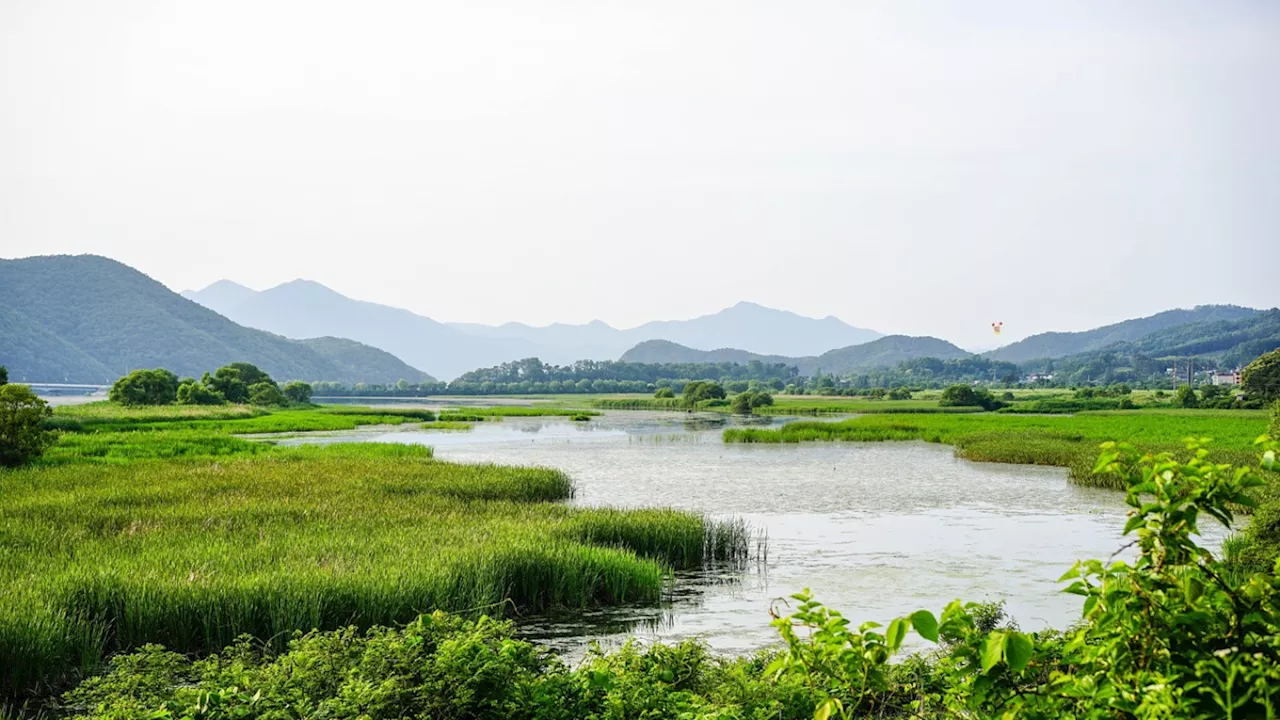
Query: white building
(1225, 377)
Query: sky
(911, 167)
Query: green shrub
(266, 394)
(968, 396)
(145, 387)
(664, 392)
(703, 390)
(193, 392)
(1261, 378)
(23, 436)
(298, 392)
(1185, 397)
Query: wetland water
(877, 530)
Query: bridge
(65, 388)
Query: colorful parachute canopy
(997, 326)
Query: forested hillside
(90, 319)
(885, 352)
(1224, 344)
(1062, 344)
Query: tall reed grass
(101, 558)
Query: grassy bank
(191, 553)
(229, 419)
(163, 525)
(497, 412)
(1069, 441)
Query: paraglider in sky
(997, 326)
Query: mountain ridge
(1050, 345)
(887, 351)
(119, 319)
(302, 308)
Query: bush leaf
(993, 650)
(926, 624)
(1017, 650)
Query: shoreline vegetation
(161, 524)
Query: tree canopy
(23, 436)
(968, 396)
(145, 387)
(1262, 376)
(300, 392)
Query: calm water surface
(875, 529)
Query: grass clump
(501, 411)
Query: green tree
(250, 374)
(193, 392)
(145, 387)
(741, 403)
(265, 393)
(23, 436)
(700, 390)
(226, 381)
(4, 375)
(664, 392)
(1185, 397)
(1261, 378)
(899, 393)
(967, 396)
(300, 392)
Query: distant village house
(1225, 377)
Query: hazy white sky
(923, 168)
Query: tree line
(237, 383)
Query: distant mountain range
(89, 319)
(1225, 335)
(887, 351)
(303, 308)
(1061, 344)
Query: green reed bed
(91, 415)
(1065, 441)
(407, 413)
(130, 445)
(807, 405)
(98, 558)
(640, 404)
(309, 420)
(501, 411)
